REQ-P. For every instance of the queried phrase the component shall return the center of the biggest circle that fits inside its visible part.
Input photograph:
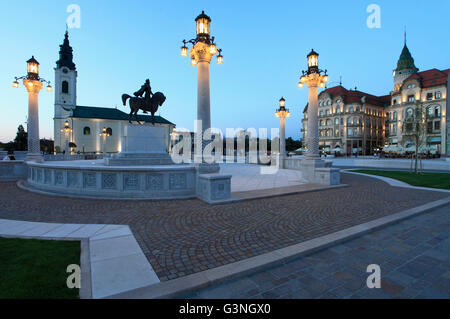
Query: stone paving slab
(111, 259)
(420, 269)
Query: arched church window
(65, 87)
(109, 131)
(87, 130)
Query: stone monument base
(139, 159)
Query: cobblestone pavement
(414, 256)
(184, 237)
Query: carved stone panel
(72, 179)
(109, 180)
(39, 177)
(47, 176)
(154, 182)
(130, 181)
(90, 180)
(177, 181)
(59, 178)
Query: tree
(21, 140)
(292, 145)
(415, 128)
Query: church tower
(65, 81)
(405, 68)
(65, 91)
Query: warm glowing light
(322, 85)
(288, 114)
(184, 51)
(300, 85)
(277, 114)
(313, 59)
(193, 62)
(220, 59)
(325, 79)
(66, 124)
(33, 66)
(30, 84)
(212, 49)
(49, 88)
(15, 84)
(203, 24)
(282, 102)
(303, 79)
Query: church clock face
(65, 71)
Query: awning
(434, 139)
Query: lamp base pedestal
(34, 157)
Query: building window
(351, 109)
(350, 132)
(411, 86)
(429, 96)
(328, 122)
(394, 102)
(87, 130)
(336, 133)
(336, 121)
(327, 112)
(411, 98)
(437, 111)
(109, 131)
(437, 125)
(429, 127)
(65, 87)
(395, 116)
(437, 95)
(321, 113)
(409, 112)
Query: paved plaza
(414, 257)
(184, 237)
(258, 177)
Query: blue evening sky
(265, 43)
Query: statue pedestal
(141, 146)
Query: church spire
(406, 61)
(65, 54)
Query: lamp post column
(282, 113)
(34, 146)
(203, 95)
(313, 130)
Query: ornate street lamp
(33, 83)
(313, 78)
(67, 130)
(282, 113)
(201, 53)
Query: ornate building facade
(352, 121)
(88, 129)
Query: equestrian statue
(144, 100)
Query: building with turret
(351, 121)
(88, 129)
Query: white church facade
(88, 129)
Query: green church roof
(406, 61)
(89, 112)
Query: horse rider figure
(145, 89)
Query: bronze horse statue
(145, 103)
